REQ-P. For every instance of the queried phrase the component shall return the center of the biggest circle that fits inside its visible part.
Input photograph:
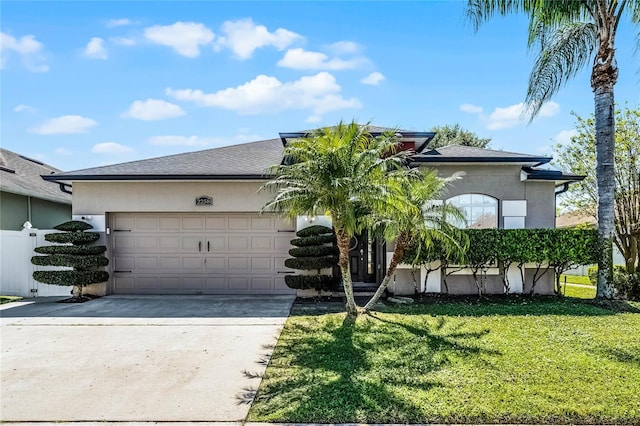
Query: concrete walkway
(136, 358)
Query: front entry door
(366, 257)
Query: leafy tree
(341, 171)
(83, 258)
(569, 34)
(578, 157)
(454, 134)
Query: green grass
(8, 299)
(515, 361)
(579, 292)
(575, 279)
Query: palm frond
(564, 51)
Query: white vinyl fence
(16, 270)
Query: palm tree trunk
(605, 173)
(345, 270)
(401, 245)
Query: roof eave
(151, 177)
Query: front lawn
(514, 361)
(8, 299)
(579, 291)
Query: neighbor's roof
(22, 175)
(468, 154)
(574, 218)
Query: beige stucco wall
(503, 182)
(98, 198)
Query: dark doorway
(367, 259)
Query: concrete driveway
(136, 358)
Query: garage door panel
(199, 253)
(238, 242)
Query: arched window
(480, 211)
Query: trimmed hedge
(75, 238)
(314, 240)
(311, 251)
(73, 225)
(314, 230)
(77, 250)
(316, 282)
(78, 262)
(77, 278)
(310, 263)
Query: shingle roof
(244, 160)
(22, 175)
(460, 153)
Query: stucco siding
(14, 212)
(46, 214)
(101, 197)
(541, 205)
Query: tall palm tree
(340, 171)
(413, 217)
(569, 34)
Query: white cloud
(318, 93)
(24, 108)
(471, 109)
(123, 41)
(512, 116)
(95, 49)
(118, 22)
(184, 37)
(343, 47)
(300, 59)
(153, 109)
(67, 124)
(243, 135)
(63, 151)
(243, 37)
(27, 48)
(373, 79)
(111, 148)
(564, 137)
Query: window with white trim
(480, 211)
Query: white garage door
(163, 253)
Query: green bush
(627, 285)
(314, 240)
(75, 238)
(310, 263)
(67, 278)
(77, 250)
(313, 251)
(592, 273)
(316, 282)
(73, 225)
(78, 262)
(314, 230)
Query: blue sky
(92, 83)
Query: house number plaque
(203, 200)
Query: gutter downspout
(63, 188)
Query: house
(189, 223)
(26, 197)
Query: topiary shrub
(84, 259)
(312, 253)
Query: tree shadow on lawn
(341, 373)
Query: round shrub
(310, 263)
(78, 262)
(77, 250)
(77, 278)
(75, 238)
(73, 225)
(316, 282)
(314, 230)
(313, 251)
(313, 241)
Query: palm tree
(569, 34)
(412, 216)
(340, 171)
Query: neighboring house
(190, 223)
(26, 197)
